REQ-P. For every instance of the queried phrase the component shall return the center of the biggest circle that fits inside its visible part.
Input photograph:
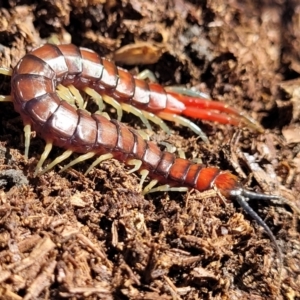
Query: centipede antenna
(252, 195)
(184, 122)
(239, 196)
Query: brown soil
(66, 235)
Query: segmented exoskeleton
(33, 89)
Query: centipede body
(34, 82)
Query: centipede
(34, 83)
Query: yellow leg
(184, 122)
(44, 156)
(149, 187)
(5, 98)
(146, 74)
(137, 112)
(6, 71)
(98, 161)
(167, 188)
(57, 160)
(78, 98)
(114, 104)
(27, 133)
(96, 97)
(156, 120)
(79, 159)
(65, 94)
(136, 163)
(144, 174)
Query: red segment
(125, 86)
(226, 182)
(26, 86)
(41, 108)
(125, 143)
(92, 67)
(140, 145)
(166, 162)
(107, 134)
(174, 105)
(110, 76)
(72, 57)
(58, 128)
(141, 94)
(158, 98)
(206, 178)
(52, 56)
(85, 135)
(179, 169)
(152, 156)
(192, 174)
(31, 64)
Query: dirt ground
(70, 236)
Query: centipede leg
(136, 163)
(172, 149)
(56, 161)
(186, 91)
(200, 107)
(78, 98)
(149, 187)
(137, 112)
(65, 94)
(6, 72)
(147, 74)
(114, 103)
(48, 148)
(156, 120)
(5, 98)
(79, 159)
(27, 134)
(184, 122)
(98, 161)
(96, 97)
(168, 188)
